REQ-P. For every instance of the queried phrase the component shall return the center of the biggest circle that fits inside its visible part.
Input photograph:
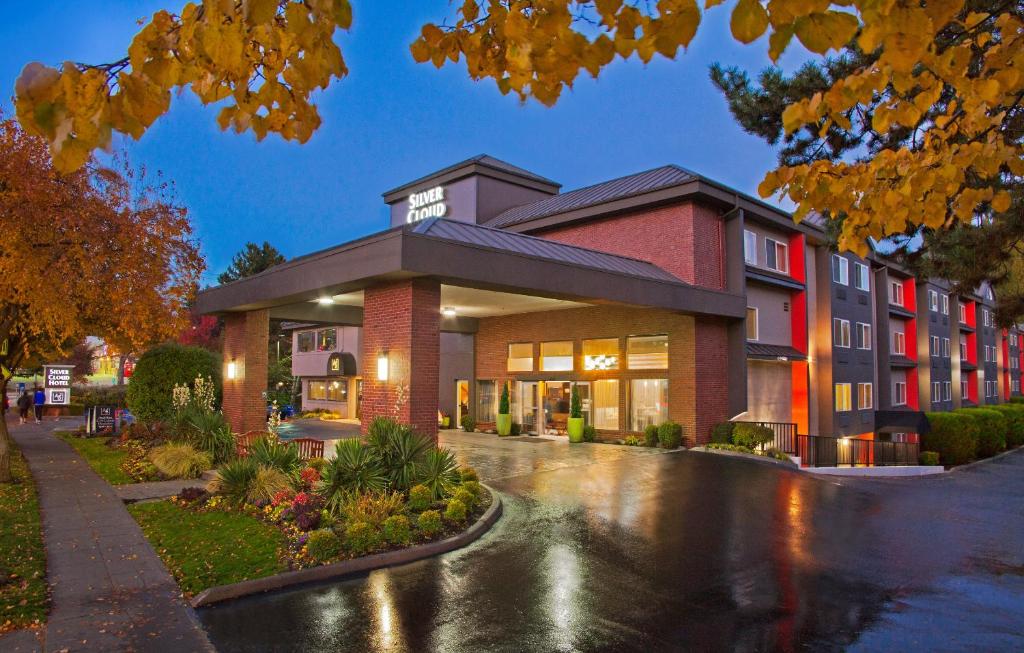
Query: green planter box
(574, 427)
(503, 424)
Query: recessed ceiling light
(448, 311)
(325, 300)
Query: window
(963, 314)
(945, 304)
(776, 255)
(840, 270)
(985, 314)
(326, 339)
(860, 277)
(647, 352)
(935, 345)
(328, 390)
(749, 247)
(945, 347)
(648, 403)
(843, 397)
(936, 392)
(933, 300)
(601, 354)
(963, 390)
(899, 393)
(556, 356)
(751, 323)
(899, 343)
(863, 336)
(963, 348)
(486, 401)
(865, 396)
(840, 332)
(896, 293)
(307, 341)
(520, 357)
(606, 404)
(947, 391)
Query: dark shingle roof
(474, 234)
(758, 350)
(486, 161)
(607, 191)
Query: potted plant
(446, 420)
(574, 425)
(504, 419)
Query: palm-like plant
(235, 478)
(354, 469)
(269, 452)
(439, 472)
(399, 449)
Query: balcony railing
(785, 435)
(819, 451)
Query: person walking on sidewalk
(38, 400)
(24, 403)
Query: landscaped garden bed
(23, 593)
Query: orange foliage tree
(94, 252)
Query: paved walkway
(159, 489)
(110, 591)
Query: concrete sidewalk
(110, 591)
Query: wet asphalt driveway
(605, 548)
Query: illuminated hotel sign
(426, 204)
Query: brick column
(402, 319)
(245, 343)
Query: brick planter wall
(245, 342)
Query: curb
(753, 457)
(221, 593)
(978, 463)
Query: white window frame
(962, 312)
(864, 336)
(945, 304)
(844, 391)
(936, 392)
(895, 293)
(844, 332)
(843, 269)
(964, 390)
(749, 247)
(899, 388)
(933, 301)
(860, 269)
(870, 403)
(935, 345)
(778, 245)
(945, 348)
(757, 324)
(899, 337)
(947, 391)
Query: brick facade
(690, 354)
(404, 320)
(685, 239)
(245, 343)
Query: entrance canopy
(482, 271)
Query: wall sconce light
(232, 372)
(448, 311)
(382, 366)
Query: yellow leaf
(778, 40)
(749, 21)
(1001, 202)
(793, 117)
(259, 12)
(820, 32)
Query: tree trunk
(5, 442)
(120, 368)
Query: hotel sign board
(57, 384)
(427, 204)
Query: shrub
(633, 441)
(455, 511)
(234, 478)
(373, 507)
(361, 538)
(953, 436)
(267, 482)
(439, 472)
(193, 494)
(517, 429)
(399, 450)
(317, 463)
(269, 452)
(670, 435)
(323, 545)
(180, 460)
(474, 488)
(353, 469)
(307, 521)
(397, 530)
(651, 435)
(589, 433)
(503, 403)
(467, 498)
(991, 430)
(419, 498)
(210, 432)
(751, 436)
(159, 370)
(429, 522)
(722, 432)
(1014, 415)
(468, 474)
(468, 423)
(777, 454)
(575, 403)
(928, 458)
(725, 446)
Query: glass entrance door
(555, 397)
(461, 402)
(527, 413)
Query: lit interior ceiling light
(325, 300)
(600, 362)
(448, 311)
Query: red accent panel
(913, 401)
(910, 295)
(972, 348)
(800, 408)
(910, 334)
(972, 309)
(972, 386)
(797, 268)
(798, 320)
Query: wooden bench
(483, 427)
(309, 448)
(244, 440)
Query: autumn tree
(85, 253)
(253, 259)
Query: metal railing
(784, 432)
(820, 451)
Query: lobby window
(896, 293)
(606, 404)
(945, 304)
(601, 354)
(556, 356)
(865, 396)
(749, 247)
(899, 393)
(648, 403)
(520, 357)
(776, 255)
(328, 390)
(840, 270)
(860, 277)
(863, 336)
(933, 300)
(751, 323)
(306, 341)
(647, 352)
(326, 339)
(486, 401)
(844, 398)
(899, 343)
(841, 333)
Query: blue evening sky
(392, 120)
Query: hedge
(1014, 414)
(954, 436)
(991, 430)
(159, 369)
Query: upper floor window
(841, 333)
(947, 391)
(750, 247)
(556, 356)
(963, 348)
(306, 341)
(647, 352)
(896, 293)
(327, 339)
(601, 354)
(945, 347)
(963, 313)
(899, 343)
(860, 277)
(945, 304)
(899, 393)
(933, 300)
(865, 396)
(863, 336)
(751, 323)
(844, 399)
(776, 255)
(935, 345)
(987, 317)
(840, 270)
(520, 357)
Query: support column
(245, 358)
(402, 324)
